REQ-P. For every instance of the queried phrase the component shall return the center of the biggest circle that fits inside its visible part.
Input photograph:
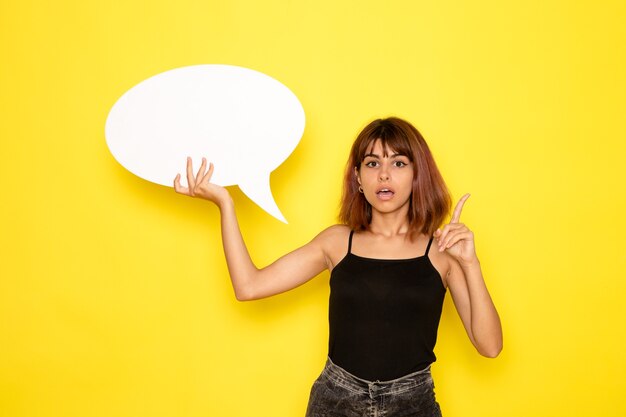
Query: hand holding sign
(200, 185)
(455, 238)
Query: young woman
(390, 264)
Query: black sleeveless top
(384, 315)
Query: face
(386, 179)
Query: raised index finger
(456, 216)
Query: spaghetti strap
(428, 247)
(350, 241)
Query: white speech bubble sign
(245, 122)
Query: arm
(474, 305)
(467, 286)
(248, 281)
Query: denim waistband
(355, 384)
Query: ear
(356, 174)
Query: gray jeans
(337, 393)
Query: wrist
(469, 264)
(226, 202)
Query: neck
(390, 224)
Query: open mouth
(384, 193)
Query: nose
(384, 176)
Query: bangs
(390, 138)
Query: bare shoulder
(335, 231)
(334, 243)
(335, 235)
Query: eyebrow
(373, 155)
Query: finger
(179, 188)
(444, 243)
(445, 232)
(457, 237)
(457, 210)
(447, 229)
(191, 181)
(200, 173)
(209, 173)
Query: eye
(371, 164)
(399, 164)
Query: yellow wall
(114, 297)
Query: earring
(360, 189)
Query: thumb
(437, 233)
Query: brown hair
(430, 200)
